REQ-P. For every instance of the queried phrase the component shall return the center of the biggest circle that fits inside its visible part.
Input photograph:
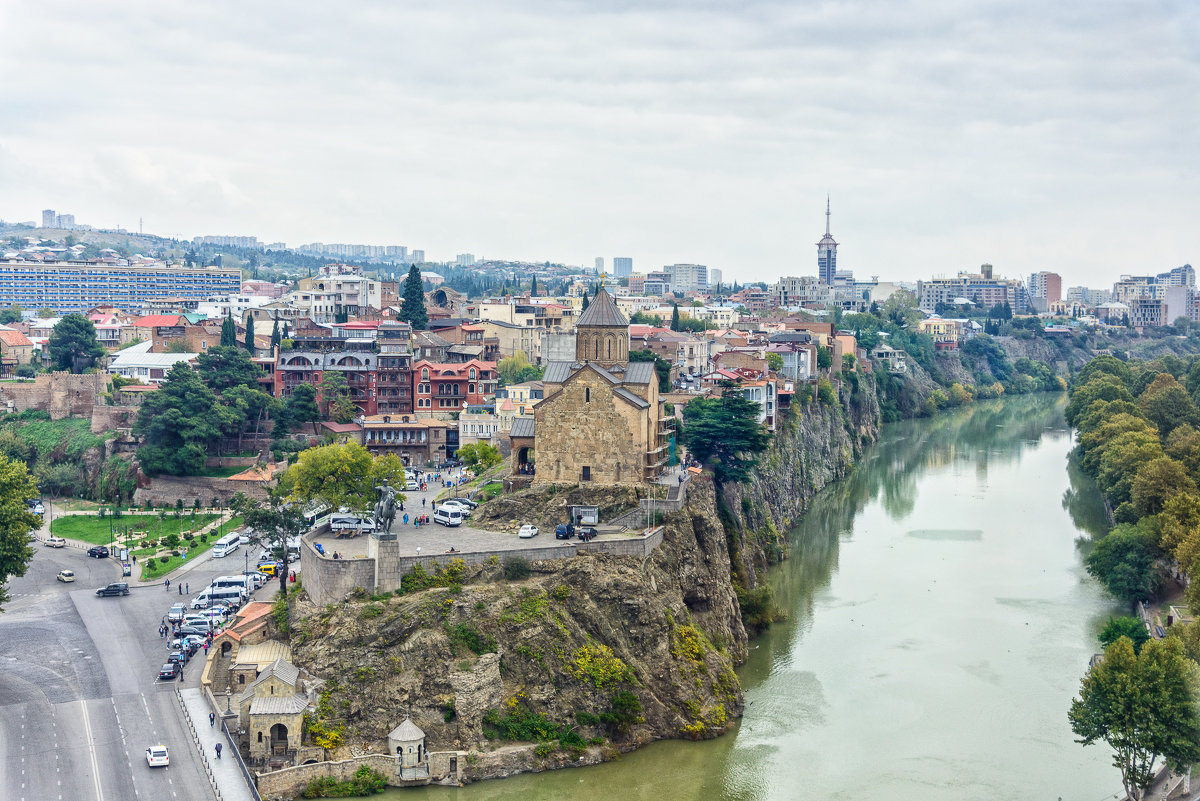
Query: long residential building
(67, 287)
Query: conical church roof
(602, 311)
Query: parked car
(454, 504)
(196, 630)
(157, 756)
(411, 486)
(170, 671)
(177, 613)
(467, 502)
(270, 568)
(527, 532)
(116, 588)
(56, 542)
(98, 552)
(180, 656)
(189, 645)
(586, 533)
(37, 507)
(448, 516)
(259, 578)
(564, 531)
(66, 575)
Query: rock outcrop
(582, 659)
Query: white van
(241, 582)
(226, 545)
(228, 596)
(448, 517)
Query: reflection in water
(938, 624)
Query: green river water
(939, 621)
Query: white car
(453, 504)
(66, 575)
(411, 486)
(157, 757)
(55, 542)
(527, 532)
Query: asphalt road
(79, 697)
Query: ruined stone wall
(61, 394)
(112, 418)
(162, 490)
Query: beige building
(601, 419)
(512, 337)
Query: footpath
(225, 773)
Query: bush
(464, 636)
(162, 560)
(364, 782)
(516, 568)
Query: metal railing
(237, 755)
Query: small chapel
(601, 420)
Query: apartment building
(445, 389)
(67, 287)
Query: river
(939, 621)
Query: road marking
(87, 728)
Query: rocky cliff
(579, 660)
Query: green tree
(533, 287)
(901, 309)
(774, 362)
(1143, 706)
(1167, 404)
(674, 316)
(824, 357)
(1124, 626)
(479, 454)
(271, 524)
(341, 475)
(179, 423)
(1120, 462)
(224, 367)
(73, 344)
(725, 433)
(412, 308)
(275, 337)
(228, 332)
(300, 407)
(251, 405)
(1183, 444)
(12, 314)
(516, 369)
(1124, 561)
(1157, 482)
(1104, 386)
(585, 300)
(250, 334)
(45, 313)
(335, 397)
(17, 488)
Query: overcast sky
(1032, 135)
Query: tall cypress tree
(275, 334)
(228, 332)
(533, 287)
(585, 300)
(674, 316)
(412, 309)
(250, 334)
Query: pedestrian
(168, 583)
(187, 589)
(406, 520)
(212, 719)
(218, 750)
(206, 649)
(180, 588)
(422, 503)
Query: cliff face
(814, 444)
(584, 658)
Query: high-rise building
(417, 257)
(465, 259)
(1046, 286)
(599, 264)
(826, 253)
(622, 266)
(714, 276)
(49, 218)
(65, 221)
(687, 277)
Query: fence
(187, 718)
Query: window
(587, 394)
(471, 387)
(424, 373)
(472, 373)
(587, 472)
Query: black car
(178, 656)
(170, 671)
(98, 552)
(564, 531)
(117, 588)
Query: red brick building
(441, 389)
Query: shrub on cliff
(364, 782)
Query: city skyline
(1029, 138)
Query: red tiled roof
(155, 320)
(15, 339)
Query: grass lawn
(158, 569)
(75, 504)
(95, 530)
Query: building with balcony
(67, 287)
(416, 442)
(444, 389)
(375, 357)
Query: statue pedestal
(385, 550)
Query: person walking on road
(218, 750)
(212, 719)
(168, 583)
(180, 588)
(187, 588)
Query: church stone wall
(573, 431)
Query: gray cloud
(1031, 135)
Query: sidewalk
(224, 773)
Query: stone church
(601, 420)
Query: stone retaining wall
(329, 580)
(165, 490)
(444, 768)
(61, 394)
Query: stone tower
(602, 333)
